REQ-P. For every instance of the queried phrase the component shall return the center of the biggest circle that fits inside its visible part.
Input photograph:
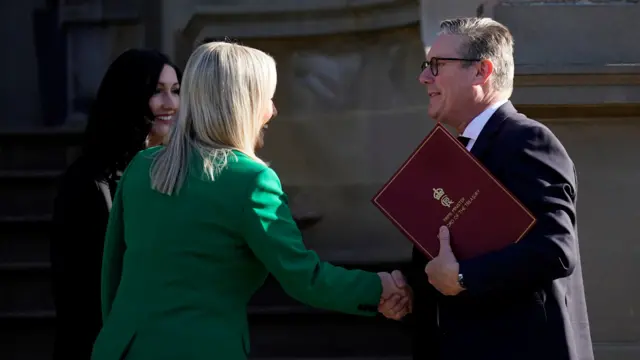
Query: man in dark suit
(527, 300)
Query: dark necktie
(464, 140)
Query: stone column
(92, 46)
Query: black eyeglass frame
(433, 63)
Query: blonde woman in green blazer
(197, 225)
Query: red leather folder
(442, 183)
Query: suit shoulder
(525, 126)
(532, 141)
(533, 135)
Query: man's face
(451, 89)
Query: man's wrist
(461, 281)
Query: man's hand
(397, 297)
(443, 269)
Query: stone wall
(352, 111)
(19, 96)
(351, 107)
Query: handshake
(442, 273)
(397, 298)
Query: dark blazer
(526, 301)
(81, 211)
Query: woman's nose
(170, 101)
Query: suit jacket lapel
(491, 128)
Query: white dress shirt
(472, 131)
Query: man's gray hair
(485, 39)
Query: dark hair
(120, 117)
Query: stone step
(26, 338)
(24, 239)
(25, 288)
(38, 149)
(327, 335)
(280, 325)
(290, 334)
(290, 337)
(27, 192)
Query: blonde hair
(224, 91)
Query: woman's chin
(160, 129)
(157, 136)
(259, 141)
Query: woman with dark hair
(133, 109)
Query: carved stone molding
(297, 18)
(580, 112)
(98, 12)
(606, 31)
(586, 79)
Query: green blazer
(178, 271)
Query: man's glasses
(434, 63)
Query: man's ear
(484, 69)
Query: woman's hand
(397, 298)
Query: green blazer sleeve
(273, 236)
(113, 252)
